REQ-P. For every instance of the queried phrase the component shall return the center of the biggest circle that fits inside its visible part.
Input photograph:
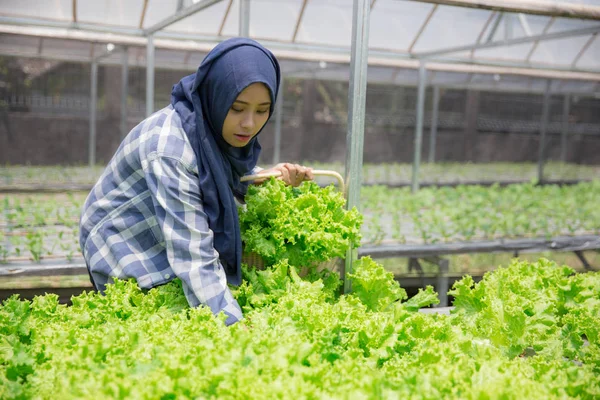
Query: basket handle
(320, 172)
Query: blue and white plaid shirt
(144, 218)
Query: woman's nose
(248, 121)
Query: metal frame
(178, 16)
(244, 18)
(584, 49)
(422, 28)
(299, 20)
(357, 94)
(434, 123)
(536, 7)
(543, 131)
(522, 40)
(565, 128)
(175, 40)
(537, 42)
(278, 122)
(222, 26)
(419, 127)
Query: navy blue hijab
(203, 100)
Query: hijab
(202, 101)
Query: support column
(93, 101)
(434, 123)
(150, 75)
(565, 128)
(357, 95)
(244, 18)
(470, 137)
(419, 127)
(543, 129)
(124, 90)
(278, 122)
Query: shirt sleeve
(188, 239)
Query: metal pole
(93, 100)
(357, 95)
(124, 90)
(434, 123)
(565, 128)
(245, 18)
(150, 76)
(278, 121)
(543, 129)
(419, 127)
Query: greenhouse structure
(465, 135)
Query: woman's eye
(262, 111)
(236, 109)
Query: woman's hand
(291, 174)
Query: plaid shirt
(144, 218)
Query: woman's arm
(188, 239)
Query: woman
(165, 205)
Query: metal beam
(295, 51)
(143, 15)
(565, 128)
(510, 42)
(583, 49)
(524, 24)
(225, 17)
(536, 7)
(422, 28)
(485, 26)
(278, 123)
(494, 29)
(357, 95)
(537, 42)
(543, 131)
(150, 76)
(178, 16)
(299, 21)
(40, 46)
(419, 127)
(303, 52)
(244, 21)
(93, 101)
(434, 123)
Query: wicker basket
(256, 261)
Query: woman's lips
(242, 138)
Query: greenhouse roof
(499, 44)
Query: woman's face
(247, 115)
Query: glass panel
(394, 24)
(516, 52)
(591, 57)
(327, 22)
(111, 12)
(232, 25)
(559, 52)
(59, 9)
(274, 19)
(568, 24)
(207, 21)
(443, 31)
